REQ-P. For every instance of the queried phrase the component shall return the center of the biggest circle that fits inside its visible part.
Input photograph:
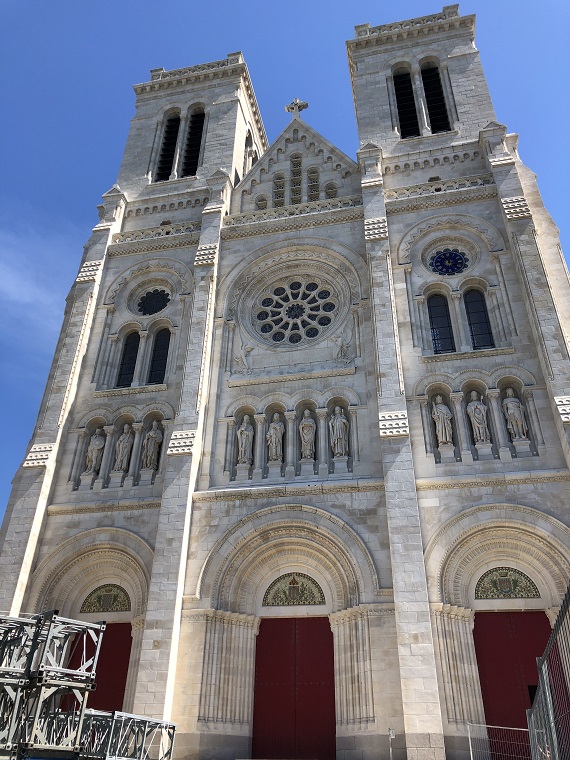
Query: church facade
(304, 443)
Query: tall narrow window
(407, 115)
(435, 99)
(168, 149)
(296, 179)
(159, 357)
(128, 360)
(440, 324)
(478, 319)
(193, 144)
(278, 190)
(313, 188)
(247, 154)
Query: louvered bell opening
(193, 143)
(407, 115)
(313, 189)
(278, 192)
(168, 149)
(435, 100)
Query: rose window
(290, 312)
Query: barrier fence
(498, 743)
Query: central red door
(294, 713)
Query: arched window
(128, 360)
(168, 148)
(440, 324)
(157, 369)
(313, 187)
(435, 99)
(193, 143)
(278, 190)
(331, 190)
(296, 179)
(478, 320)
(406, 104)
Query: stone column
(462, 429)
(448, 94)
(323, 443)
(499, 425)
(427, 426)
(496, 259)
(260, 447)
(534, 418)
(141, 363)
(459, 321)
(107, 456)
(79, 457)
(229, 454)
(392, 102)
(137, 630)
(135, 455)
(420, 103)
(457, 663)
(291, 433)
(496, 318)
(112, 359)
(353, 431)
(423, 319)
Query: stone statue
(151, 446)
(95, 453)
(307, 431)
(513, 411)
(274, 439)
(123, 450)
(477, 412)
(245, 441)
(338, 427)
(441, 415)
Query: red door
(294, 712)
(112, 668)
(507, 645)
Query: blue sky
(68, 68)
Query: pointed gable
(301, 166)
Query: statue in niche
(307, 431)
(123, 450)
(151, 446)
(442, 416)
(477, 413)
(513, 412)
(338, 427)
(274, 439)
(95, 453)
(245, 441)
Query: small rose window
(289, 312)
(154, 301)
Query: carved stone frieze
(130, 390)
(152, 233)
(88, 271)
(563, 406)
(181, 442)
(399, 33)
(434, 200)
(500, 481)
(432, 160)
(154, 245)
(376, 229)
(393, 424)
(273, 492)
(460, 356)
(206, 255)
(516, 207)
(437, 187)
(256, 379)
(38, 455)
(300, 209)
(81, 509)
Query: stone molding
(461, 355)
(55, 509)
(439, 186)
(422, 159)
(361, 611)
(393, 424)
(514, 479)
(390, 34)
(425, 202)
(152, 233)
(563, 406)
(504, 160)
(302, 215)
(130, 390)
(38, 455)
(89, 271)
(232, 618)
(206, 255)
(271, 492)
(516, 207)
(252, 379)
(154, 244)
(376, 229)
(181, 442)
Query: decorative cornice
(233, 65)
(155, 239)
(315, 213)
(181, 442)
(513, 479)
(251, 379)
(130, 390)
(149, 233)
(206, 255)
(150, 246)
(433, 188)
(393, 424)
(55, 509)
(413, 160)
(460, 356)
(440, 201)
(38, 455)
(504, 160)
(563, 406)
(516, 207)
(298, 489)
(89, 271)
(376, 229)
(362, 611)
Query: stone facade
(307, 415)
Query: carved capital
(322, 414)
(109, 429)
(290, 416)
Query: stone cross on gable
(295, 107)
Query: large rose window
(294, 310)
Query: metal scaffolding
(47, 669)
